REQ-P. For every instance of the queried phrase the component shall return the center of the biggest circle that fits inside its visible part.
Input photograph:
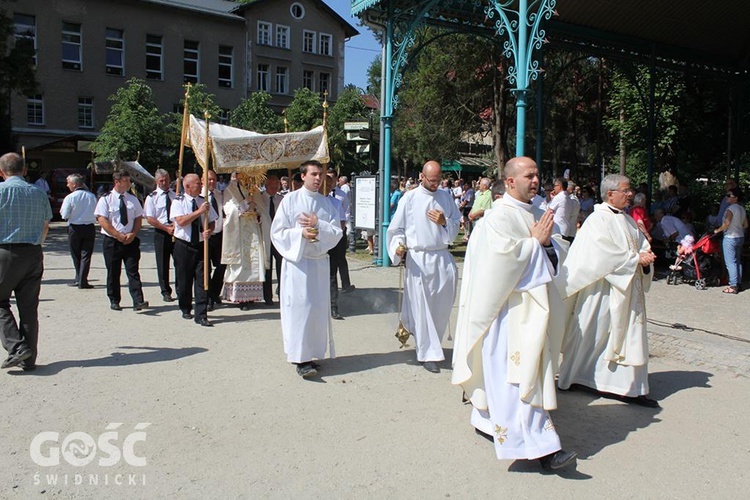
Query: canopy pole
(206, 264)
(183, 138)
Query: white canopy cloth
(235, 149)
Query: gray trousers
(21, 268)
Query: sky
(361, 50)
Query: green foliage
(305, 111)
(199, 102)
(348, 107)
(17, 75)
(134, 125)
(374, 73)
(256, 115)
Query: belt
(82, 225)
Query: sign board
(365, 202)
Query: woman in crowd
(733, 227)
(640, 215)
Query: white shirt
(735, 229)
(109, 208)
(156, 206)
(560, 205)
(343, 197)
(42, 184)
(78, 207)
(219, 196)
(671, 224)
(183, 205)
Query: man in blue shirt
(24, 221)
(78, 209)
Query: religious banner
(138, 174)
(237, 150)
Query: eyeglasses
(624, 191)
(730, 195)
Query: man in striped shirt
(24, 221)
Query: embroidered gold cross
(502, 434)
(516, 358)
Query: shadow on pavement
(368, 301)
(588, 428)
(664, 384)
(153, 355)
(345, 365)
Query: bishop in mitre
(505, 349)
(243, 246)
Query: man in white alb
(305, 227)
(425, 223)
(606, 274)
(505, 351)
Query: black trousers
(334, 282)
(81, 239)
(163, 248)
(21, 268)
(188, 262)
(115, 254)
(216, 281)
(339, 262)
(267, 285)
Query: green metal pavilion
(678, 34)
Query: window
(282, 80)
(154, 63)
(191, 60)
(24, 30)
(115, 52)
(308, 77)
(71, 46)
(86, 112)
(326, 43)
(225, 66)
(35, 110)
(264, 33)
(297, 11)
(323, 82)
(308, 41)
(282, 36)
(224, 116)
(263, 76)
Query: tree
(348, 107)
(305, 111)
(256, 115)
(134, 125)
(17, 74)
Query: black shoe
(115, 306)
(141, 305)
(204, 322)
(269, 302)
(348, 289)
(315, 365)
(16, 358)
(210, 305)
(85, 286)
(187, 315)
(335, 314)
(558, 460)
(27, 367)
(167, 297)
(640, 401)
(217, 300)
(75, 283)
(306, 370)
(431, 367)
(245, 306)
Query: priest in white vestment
(606, 275)
(505, 350)
(243, 245)
(425, 223)
(305, 227)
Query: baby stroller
(704, 267)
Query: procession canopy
(138, 173)
(237, 150)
